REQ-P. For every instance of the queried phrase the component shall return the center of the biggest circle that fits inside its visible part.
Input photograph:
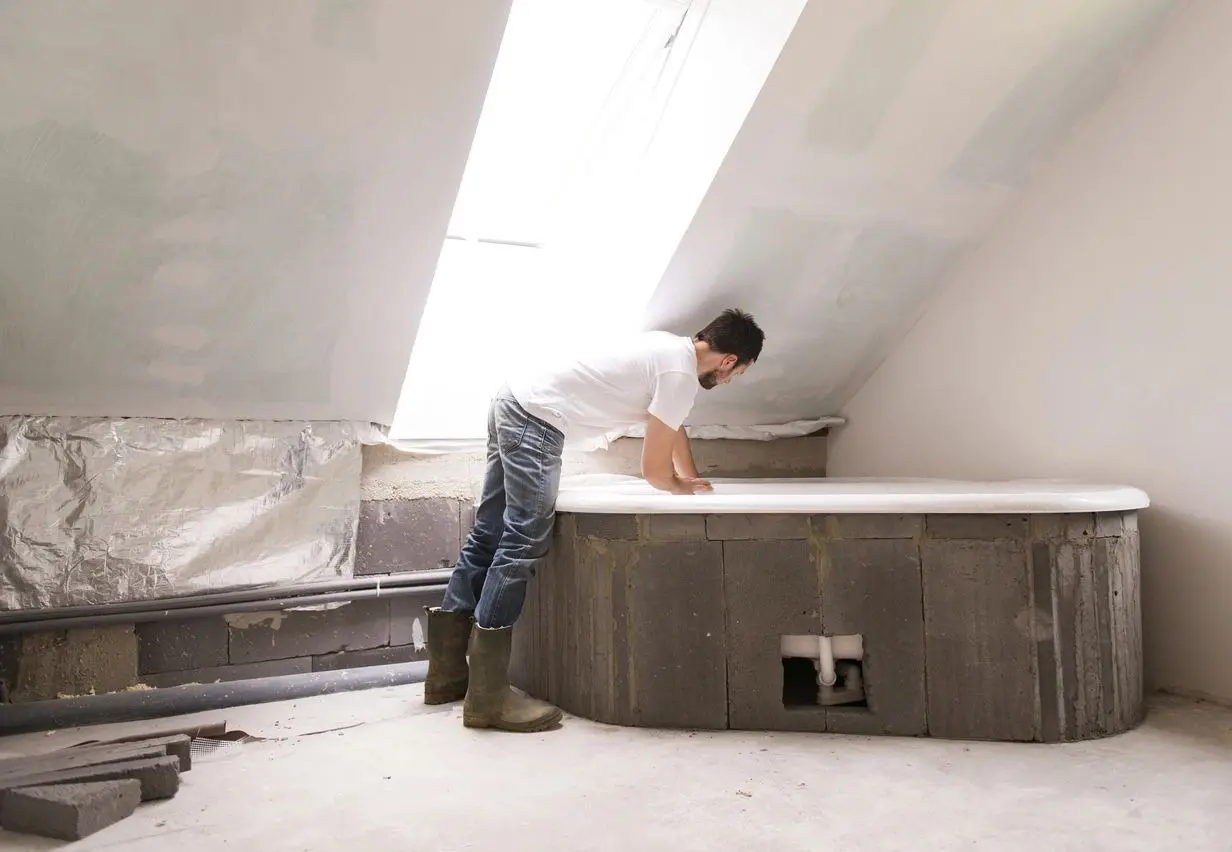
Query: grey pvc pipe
(262, 605)
(196, 697)
(417, 578)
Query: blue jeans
(514, 519)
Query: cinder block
(675, 527)
(677, 635)
(772, 590)
(1115, 524)
(977, 527)
(1093, 686)
(543, 647)
(281, 635)
(181, 644)
(159, 776)
(371, 657)
(69, 811)
(79, 661)
(869, 526)
(176, 745)
(757, 527)
(396, 536)
(10, 647)
(1042, 566)
(1062, 527)
(19, 771)
(979, 646)
(227, 674)
(407, 624)
(1122, 690)
(872, 587)
(620, 527)
(466, 520)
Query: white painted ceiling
(228, 209)
(887, 142)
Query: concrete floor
(407, 777)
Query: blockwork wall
(1002, 627)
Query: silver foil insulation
(99, 511)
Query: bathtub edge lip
(1026, 497)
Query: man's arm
(682, 456)
(658, 450)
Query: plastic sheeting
(98, 511)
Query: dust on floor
(379, 769)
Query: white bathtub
(625, 495)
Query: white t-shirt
(594, 397)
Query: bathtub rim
(613, 494)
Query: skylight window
(604, 124)
(574, 96)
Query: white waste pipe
(825, 662)
(806, 647)
(847, 647)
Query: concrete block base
(1010, 628)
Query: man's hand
(682, 485)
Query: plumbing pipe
(841, 647)
(825, 662)
(415, 578)
(847, 647)
(61, 713)
(798, 646)
(262, 605)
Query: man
(652, 382)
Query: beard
(709, 380)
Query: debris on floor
(73, 792)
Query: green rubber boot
(448, 674)
(490, 701)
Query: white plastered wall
(887, 141)
(227, 209)
(1090, 338)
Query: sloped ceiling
(887, 142)
(227, 208)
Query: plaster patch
(780, 249)
(345, 25)
(892, 263)
(183, 273)
(874, 73)
(244, 620)
(179, 374)
(186, 337)
(1067, 85)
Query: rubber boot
(448, 674)
(490, 701)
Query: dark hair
(734, 332)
